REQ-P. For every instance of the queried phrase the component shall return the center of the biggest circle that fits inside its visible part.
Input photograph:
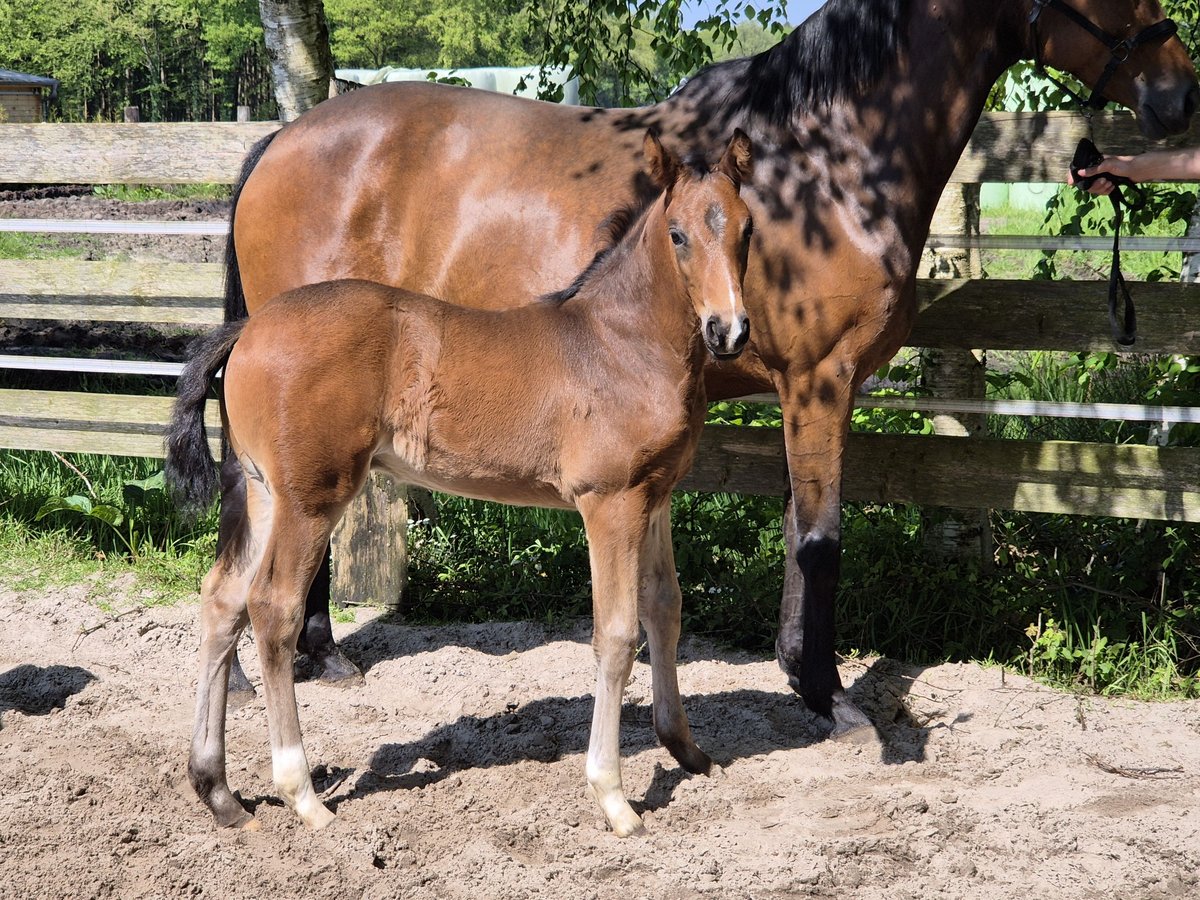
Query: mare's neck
(929, 107)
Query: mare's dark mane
(842, 49)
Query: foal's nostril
(714, 333)
(743, 335)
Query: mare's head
(709, 227)
(1125, 50)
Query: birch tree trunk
(297, 39)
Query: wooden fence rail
(1059, 477)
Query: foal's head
(709, 227)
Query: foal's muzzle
(723, 341)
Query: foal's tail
(235, 298)
(191, 471)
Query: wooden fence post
(959, 374)
(132, 114)
(243, 114)
(370, 547)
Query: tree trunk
(297, 40)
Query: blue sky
(797, 10)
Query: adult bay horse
(858, 119)
(592, 398)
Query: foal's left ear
(737, 163)
(661, 163)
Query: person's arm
(1182, 164)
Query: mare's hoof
(850, 725)
(252, 825)
(337, 670)
(860, 735)
(238, 699)
(238, 682)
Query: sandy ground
(457, 771)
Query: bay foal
(591, 398)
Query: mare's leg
(615, 530)
(223, 617)
(316, 637)
(276, 605)
(816, 414)
(659, 606)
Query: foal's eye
(678, 238)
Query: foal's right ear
(738, 161)
(661, 163)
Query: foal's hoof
(338, 671)
(234, 815)
(687, 754)
(628, 827)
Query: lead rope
(1122, 317)
(1124, 322)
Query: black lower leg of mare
(805, 646)
(316, 637)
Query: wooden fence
(1056, 477)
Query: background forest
(197, 60)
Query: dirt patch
(457, 771)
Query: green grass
(150, 542)
(14, 245)
(135, 193)
(1073, 213)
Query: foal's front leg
(616, 527)
(659, 607)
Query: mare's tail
(235, 299)
(191, 471)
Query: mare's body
(858, 119)
(592, 398)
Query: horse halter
(1119, 48)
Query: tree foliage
(200, 59)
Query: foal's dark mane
(838, 52)
(616, 227)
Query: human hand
(1121, 166)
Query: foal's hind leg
(292, 557)
(659, 605)
(230, 532)
(223, 616)
(615, 530)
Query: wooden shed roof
(8, 76)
